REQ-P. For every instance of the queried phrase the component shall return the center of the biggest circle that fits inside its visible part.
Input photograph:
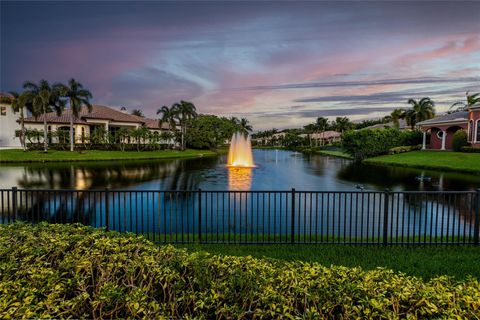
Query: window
(3, 111)
(440, 134)
(478, 131)
(471, 131)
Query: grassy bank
(18, 155)
(421, 261)
(437, 160)
(334, 153)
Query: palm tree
(471, 100)
(44, 99)
(342, 124)
(184, 111)
(421, 110)
(244, 126)
(396, 115)
(138, 113)
(76, 96)
(19, 103)
(121, 136)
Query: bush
(60, 271)
(471, 149)
(460, 140)
(367, 143)
(403, 149)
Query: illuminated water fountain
(240, 152)
(240, 163)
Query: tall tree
(184, 111)
(462, 106)
(76, 96)
(421, 110)
(396, 115)
(138, 113)
(322, 124)
(167, 116)
(343, 124)
(245, 126)
(45, 98)
(19, 104)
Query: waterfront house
(100, 116)
(442, 128)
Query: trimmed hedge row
(471, 149)
(75, 271)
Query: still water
(276, 170)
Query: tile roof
(456, 116)
(98, 112)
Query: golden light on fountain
(240, 152)
(240, 162)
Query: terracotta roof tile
(98, 112)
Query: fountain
(240, 162)
(240, 152)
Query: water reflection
(239, 178)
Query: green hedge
(74, 271)
(459, 140)
(403, 149)
(367, 143)
(471, 149)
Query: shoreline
(54, 156)
(431, 160)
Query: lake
(276, 170)
(335, 200)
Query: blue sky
(280, 64)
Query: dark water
(276, 170)
(219, 214)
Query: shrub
(367, 143)
(471, 149)
(403, 149)
(60, 271)
(460, 140)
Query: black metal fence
(355, 217)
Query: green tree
(19, 104)
(245, 126)
(184, 111)
(421, 110)
(472, 99)
(121, 135)
(138, 113)
(140, 134)
(396, 115)
(343, 124)
(76, 96)
(44, 98)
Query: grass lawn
(421, 261)
(439, 160)
(18, 155)
(334, 153)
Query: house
(100, 116)
(8, 124)
(442, 128)
(323, 138)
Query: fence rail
(201, 216)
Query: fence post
(199, 215)
(14, 203)
(386, 201)
(477, 220)
(107, 209)
(292, 235)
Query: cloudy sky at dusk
(279, 64)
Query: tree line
(41, 98)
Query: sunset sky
(280, 64)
